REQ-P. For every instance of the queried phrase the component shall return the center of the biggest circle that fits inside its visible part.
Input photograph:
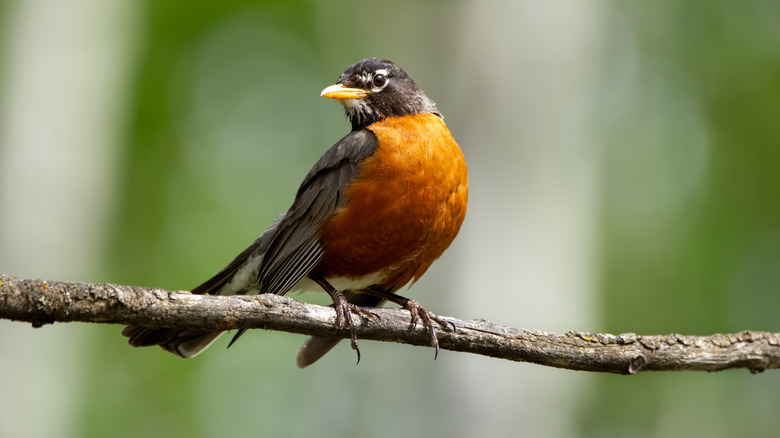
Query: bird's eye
(379, 80)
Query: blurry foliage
(210, 126)
(690, 220)
(205, 85)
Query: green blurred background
(624, 163)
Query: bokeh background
(624, 165)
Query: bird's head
(374, 89)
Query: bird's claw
(344, 311)
(419, 313)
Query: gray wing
(214, 284)
(295, 248)
(288, 250)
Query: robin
(370, 217)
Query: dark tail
(183, 343)
(188, 343)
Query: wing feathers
(296, 248)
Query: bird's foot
(344, 311)
(419, 313)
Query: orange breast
(405, 207)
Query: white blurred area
(529, 255)
(63, 93)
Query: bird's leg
(344, 310)
(417, 312)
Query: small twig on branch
(45, 302)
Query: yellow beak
(341, 92)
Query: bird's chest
(405, 206)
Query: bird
(370, 217)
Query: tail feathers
(316, 347)
(183, 343)
(239, 277)
(313, 349)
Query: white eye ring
(379, 80)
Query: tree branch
(42, 302)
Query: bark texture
(45, 302)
